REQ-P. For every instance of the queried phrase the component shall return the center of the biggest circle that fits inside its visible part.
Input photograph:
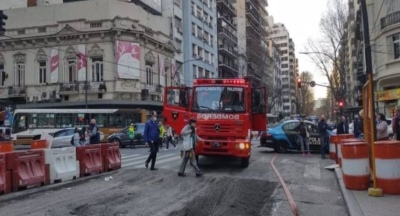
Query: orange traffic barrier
(27, 169)
(38, 144)
(5, 186)
(6, 147)
(90, 159)
(111, 156)
(332, 146)
(355, 165)
(339, 145)
(387, 164)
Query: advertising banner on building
(81, 66)
(128, 60)
(161, 69)
(54, 61)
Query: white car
(62, 138)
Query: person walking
(396, 124)
(75, 138)
(356, 126)
(323, 128)
(170, 136)
(189, 143)
(381, 128)
(131, 134)
(151, 137)
(342, 127)
(94, 132)
(303, 138)
(161, 134)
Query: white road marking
(163, 161)
(312, 170)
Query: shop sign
(391, 94)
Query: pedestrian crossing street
(164, 160)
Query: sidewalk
(359, 203)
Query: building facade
(280, 35)
(112, 52)
(275, 92)
(385, 45)
(172, 9)
(200, 40)
(228, 65)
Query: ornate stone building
(111, 52)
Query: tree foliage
(306, 102)
(327, 52)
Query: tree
(305, 102)
(328, 52)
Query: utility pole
(368, 58)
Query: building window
(207, 74)
(70, 75)
(178, 43)
(178, 23)
(396, 46)
(200, 73)
(194, 72)
(97, 69)
(21, 32)
(19, 71)
(96, 24)
(42, 72)
(42, 29)
(149, 75)
(2, 74)
(178, 2)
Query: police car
(283, 136)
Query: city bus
(29, 124)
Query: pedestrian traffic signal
(3, 18)
(298, 83)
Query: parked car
(122, 136)
(283, 136)
(62, 137)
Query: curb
(25, 193)
(353, 207)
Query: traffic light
(3, 18)
(341, 104)
(298, 83)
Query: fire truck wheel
(244, 162)
(281, 147)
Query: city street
(225, 189)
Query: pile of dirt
(231, 196)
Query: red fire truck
(227, 110)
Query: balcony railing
(229, 34)
(390, 19)
(228, 6)
(252, 10)
(232, 51)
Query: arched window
(149, 75)
(97, 69)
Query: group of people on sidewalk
(152, 133)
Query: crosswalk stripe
(129, 156)
(141, 158)
(161, 161)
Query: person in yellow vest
(162, 133)
(131, 134)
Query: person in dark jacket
(303, 137)
(396, 125)
(323, 128)
(151, 135)
(356, 126)
(342, 127)
(94, 132)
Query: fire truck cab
(227, 110)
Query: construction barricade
(63, 165)
(339, 138)
(111, 156)
(5, 186)
(90, 159)
(332, 146)
(38, 144)
(355, 165)
(6, 147)
(27, 169)
(387, 166)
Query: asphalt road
(225, 189)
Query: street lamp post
(176, 70)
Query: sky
(302, 18)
